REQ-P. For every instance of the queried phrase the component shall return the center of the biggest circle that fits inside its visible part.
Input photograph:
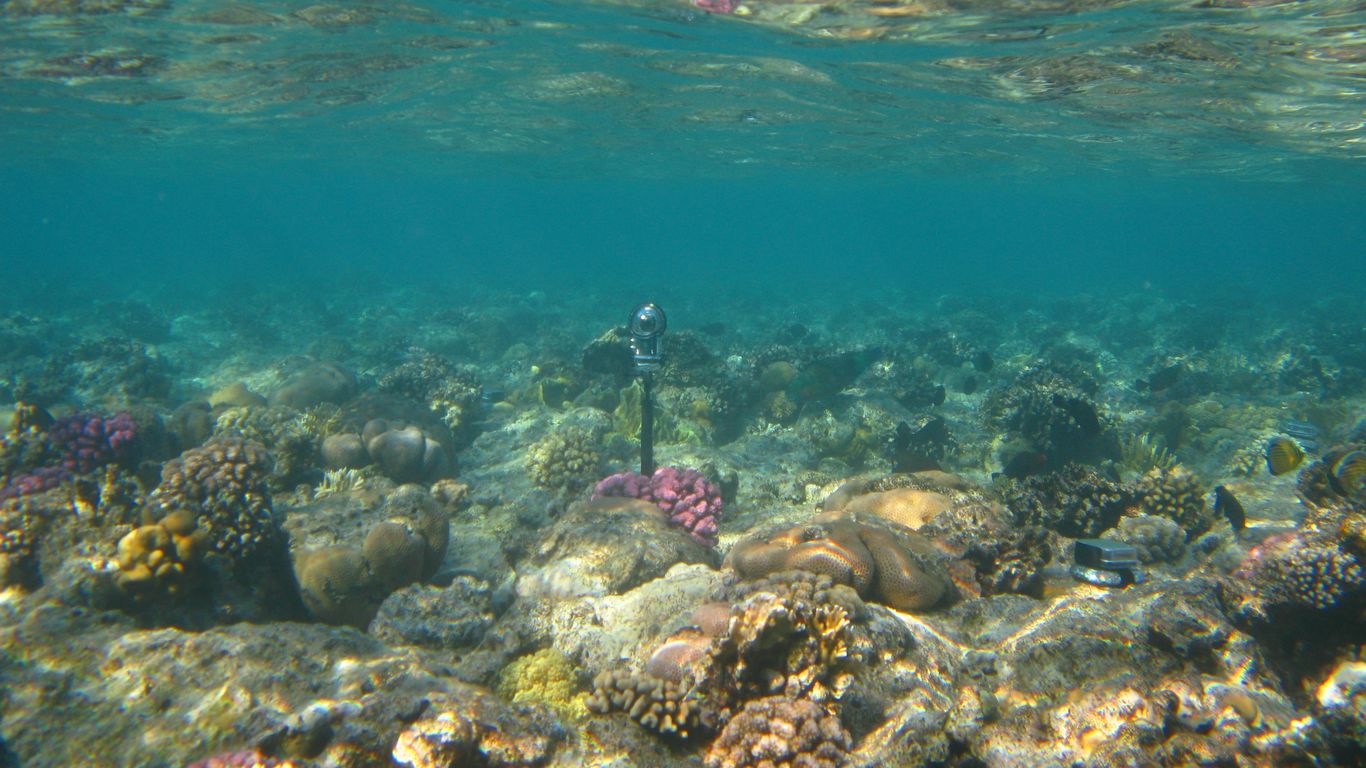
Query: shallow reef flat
(392, 528)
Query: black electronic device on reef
(1105, 563)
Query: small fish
(1283, 455)
(1227, 505)
(1307, 434)
(1025, 464)
(1349, 474)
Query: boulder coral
(317, 383)
(895, 567)
(346, 584)
(404, 453)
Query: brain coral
(898, 569)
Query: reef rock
(606, 546)
(284, 690)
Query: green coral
(668, 428)
(545, 678)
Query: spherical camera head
(648, 323)
(648, 320)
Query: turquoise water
(1050, 146)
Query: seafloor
(356, 530)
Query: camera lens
(648, 320)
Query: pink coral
(37, 481)
(247, 758)
(692, 502)
(88, 441)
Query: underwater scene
(682, 383)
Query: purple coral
(37, 481)
(88, 441)
(247, 758)
(692, 502)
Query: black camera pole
(647, 325)
(647, 425)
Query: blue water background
(799, 235)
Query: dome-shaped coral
(1175, 494)
(1155, 539)
(566, 460)
(224, 484)
(778, 731)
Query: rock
(606, 546)
(318, 383)
(443, 618)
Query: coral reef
(778, 731)
(1075, 501)
(692, 502)
(450, 394)
(1155, 539)
(224, 484)
(566, 460)
(1176, 495)
(896, 568)
(347, 585)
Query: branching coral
(449, 393)
(794, 636)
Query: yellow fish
(1349, 473)
(1283, 455)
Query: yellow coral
(547, 678)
